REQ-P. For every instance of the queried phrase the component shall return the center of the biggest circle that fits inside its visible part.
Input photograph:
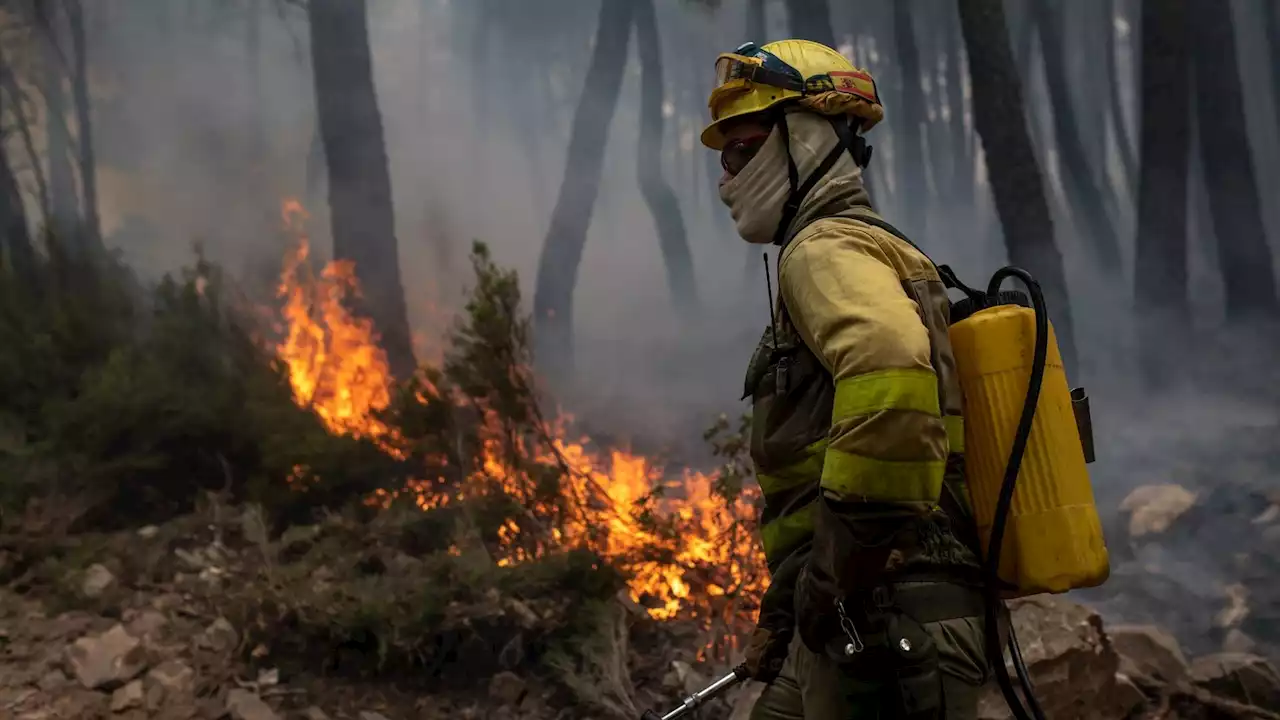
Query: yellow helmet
(751, 79)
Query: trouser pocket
(915, 681)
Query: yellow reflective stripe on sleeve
(955, 432)
(785, 533)
(807, 470)
(855, 477)
(893, 389)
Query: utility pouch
(916, 678)
(898, 653)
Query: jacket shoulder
(842, 235)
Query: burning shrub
(502, 522)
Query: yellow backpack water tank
(1053, 540)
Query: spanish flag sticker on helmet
(856, 83)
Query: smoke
(200, 139)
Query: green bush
(120, 404)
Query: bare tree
(21, 125)
(15, 238)
(657, 192)
(1016, 181)
(909, 128)
(1243, 252)
(84, 124)
(362, 216)
(64, 212)
(567, 234)
(1084, 194)
(1271, 16)
(1128, 161)
(1160, 290)
(810, 20)
(962, 184)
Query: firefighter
(875, 608)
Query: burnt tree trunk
(657, 192)
(84, 124)
(1243, 252)
(962, 184)
(910, 128)
(756, 22)
(571, 217)
(1271, 16)
(1128, 162)
(1084, 194)
(15, 238)
(362, 216)
(810, 20)
(64, 213)
(1016, 182)
(21, 125)
(1160, 286)
(260, 196)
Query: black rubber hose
(1020, 438)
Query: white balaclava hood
(756, 196)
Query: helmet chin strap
(847, 139)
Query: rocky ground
(154, 624)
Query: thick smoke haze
(206, 120)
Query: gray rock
(170, 681)
(97, 580)
(1072, 665)
(220, 637)
(506, 688)
(52, 680)
(314, 713)
(1149, 653)
(244, 705)
(145, 624)
(106, 661)
(371, 715)
(1249, 679)
(127, 697)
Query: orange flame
(334, 362)
(710, 567)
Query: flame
(687, 551)
(335, 364)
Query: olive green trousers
(814, 687)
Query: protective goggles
(750, 65)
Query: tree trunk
(9, 84)
(1271, 16)
(1244, 255)
(84, 123)
(1016, 182)
(756, 30)
(64, 215)
(914, 191)
(362, 216)
(810, 20)
(1128, 163)
(961, 185)
(260, 197)
(1160, 279)
(657, 192)
(571, 218)
(1084, 194)
(15, 238)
